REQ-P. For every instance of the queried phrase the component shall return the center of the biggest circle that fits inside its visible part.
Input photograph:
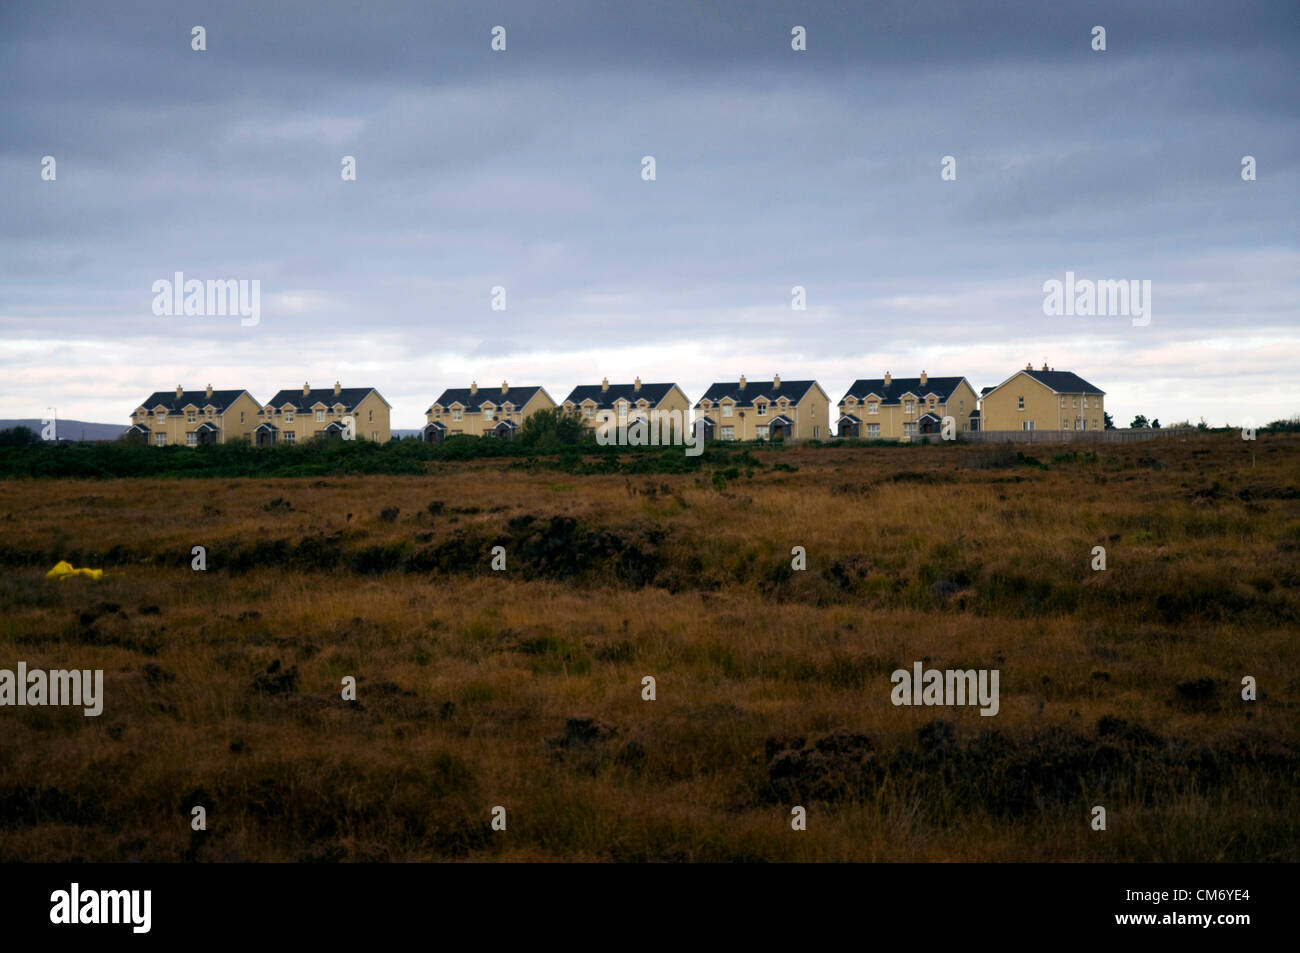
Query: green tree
(19, 437)
(1110, 421)
(1139, 422)
(551, 429)
(1155, 424)
(1202, 425)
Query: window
(288, 416)
(374, 435)
(1062, 400)
(320, 415)
(1076, 402)
(161, 415)
(191, 439)
(1026, 425)
(760, 409)
(851, 402)
(160, 440)
(622, 411)
(817, 431)
(910, 407)
(589, 412)
(1083, 423)
(487, 413)
(727, 410)
(189, 417)
(909, 428)
(290, 436)
(873, 407)
(761, 431)
(372, 416)
(873, 430)
(1020, 403)
(456, 413)
(728, 433)
(241, 416)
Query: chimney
(306, 388)
(888, 378)
(473, 387)
(776, 382)
(1044, 365)
(208, 391)
(504, 386)
(636, 385)
(1029, 365)
(604, 384)
(924, 378)
(338, 389)
(742, 381)
(180, 391)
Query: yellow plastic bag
(62, 570)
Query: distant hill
(72, 429)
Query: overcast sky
(523, 169)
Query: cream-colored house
(191, 418)
(617, 404)
(483, 413)
(900, 408)
(1045, 399)
(762, 410)
(294, 416)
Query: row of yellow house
(886, 408)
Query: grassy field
(523, 688)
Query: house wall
(892, 417)
(472, 422)
(1001, 410)
(176, 426)
(809, 416)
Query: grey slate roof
(349, 397)
(653, 394)
(1064, 382)
(474, 401)
(941, 387)
(220, 399)
(793, 391)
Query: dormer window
(760, 409)
(873, 406)
(189, 417)
(320, 415)
(487, 413)
(288, 416)
(727, 410)
(456, 413)
(909, 407)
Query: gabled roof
(349, 397)
(220, 399)
(984, 390)
(605, 399)
(792, 391)
(205, 427)
(1059, 382)
(941, 387)
(849, 417)
(1064, 382)
(781, 419)
(934, 418)
(486, 395)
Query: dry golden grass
(523, 688)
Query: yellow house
(193, 418)
(900, 408)
(479, 413)
(617, 404)
(745, 410)
(1045, 399)
(293, 416)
